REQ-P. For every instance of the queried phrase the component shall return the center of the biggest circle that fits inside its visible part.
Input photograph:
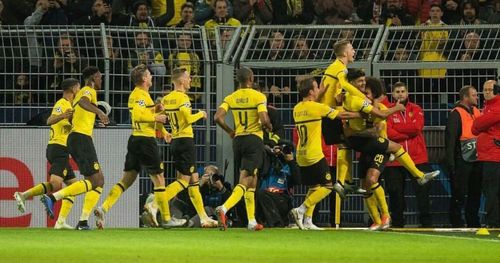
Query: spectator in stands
(301, 49)
(145, 53)
(451, 12)
(67, 61)
(102, 12)
(225, 37)
(184, 56)
(118, 67)
(22, 93)
(221, 16)
(494, 17)
(167, 12)
(203, 10)
(406, 128)
(487, 128)
(470, 14)
(274, 197)
(141, 16)
(463, 168)
(433, 45)
(421, 10)
(187, 16)
(253, 12)
(332, 12)
(293, 12)
(276, 47)
(47, 12)
(15, 11)
(470, 49)
(394, 14)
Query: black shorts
(375, 161)
(184, 155)
(81, 148)
(370, 145)
(318, 173)
(143, 152)
(332, 131)
(248, 153)
(58, 158)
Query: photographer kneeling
(274, 197)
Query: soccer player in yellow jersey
(314, 169)
(335, 80)
(178, 108)
(57, 154)
(372, 165)
(142, 149)
(250, 116)
(81, 148)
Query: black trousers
(394, 177)
(491, 191)
(465, 193)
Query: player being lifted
(178, 109)
(142, 149)
(81, 148)
(250, 116)
(314, 170)
(335, 80)
(57, 154)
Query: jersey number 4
(243, 116)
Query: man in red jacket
(487, 128)
(463, 168)
(406, 128)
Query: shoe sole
(20, 203)
(99, 223)
(341, 193)
(46, 206)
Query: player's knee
(97, 180)
(393, 147)
(371, 178)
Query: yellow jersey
(178, 108)
(246, 104)
(83, 120)
(357, 104)
(142, 112)
(382, 123)
(307, 116)
(334, 80)
(59, 131)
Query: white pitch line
(442, 236)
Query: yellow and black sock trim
(97, 190)
(403, 153)
(367, 195)
(242, 187)
(159, 189)
(121, 186)
(69, 200)
(87, 186)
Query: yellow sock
(161, 200)
(67, 204)
(317, 196)
(405, 160)
(196, 199)
(344, 161)
(250, 203)
(113, 196)
(238, 192)
(371, 204)
(74, 189)
(37, 190)
(379, 193)
(174, 188)
(91, 199)
(310, 209)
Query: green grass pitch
(240, 245)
